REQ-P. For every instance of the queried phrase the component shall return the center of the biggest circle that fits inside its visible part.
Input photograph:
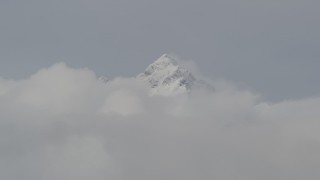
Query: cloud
(57, 89)
(124, 103)
(63, 123)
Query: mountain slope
(166, 77)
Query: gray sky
(271, 46)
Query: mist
(63, 123)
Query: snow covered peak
(164, 61)
(162, 66)
(166, 77)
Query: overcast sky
(271, 46)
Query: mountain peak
(166, 60)
(166, 77)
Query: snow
(167, 78)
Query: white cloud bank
(62, 123)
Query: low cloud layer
(63, 123)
